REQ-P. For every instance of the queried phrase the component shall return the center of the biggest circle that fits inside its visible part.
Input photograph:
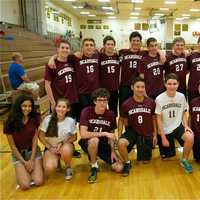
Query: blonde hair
(16, 55)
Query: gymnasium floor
(156, 180)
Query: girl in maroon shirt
(21, 130)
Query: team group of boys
(150, 89)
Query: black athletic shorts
(113, 101)
(144, 144)
(124, 93)
(167, 152)
(104, 149)
(196, 148)
(85, 100)
(75, 111)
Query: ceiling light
(91, 15)
(75, 7)
(109, 13)
(103, 0)
(194, 10)
(155, 17)
(84, 13)
(186, 15)
(179, 18)
(137, 8)
(135, 13)
(170, 2)
(159, 14)
(55, 12)
(133, 17)
(112, 17)
(107, 8)
(138, 1)
(164, 9)
(69, 0)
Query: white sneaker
(68, 173)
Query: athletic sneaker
(93, 175)
(186, 165)
(126, 169)
(76, 154)
(68, 173)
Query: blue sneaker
(186, 165)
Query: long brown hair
(52, 130)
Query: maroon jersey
(153, 74)
(109, 72)
(98, 123)
(140, 115)
(129, 65)
(63, 82)
(178, 65)
(23, 139)
(87, 73)
(195, 116)
(194, 67)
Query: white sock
(95, 165)
(128, 162)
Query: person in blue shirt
(18, 77)
(16, 71)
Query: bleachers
(36, 51)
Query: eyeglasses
(103, 100)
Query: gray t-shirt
(66, 128)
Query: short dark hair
(198, 41)
(100, 92)
(65, 42)
(178, 39)
(108, 37)
(135, 34)
(88, 40)
(171, 76)
(151, 39)
(137, 79)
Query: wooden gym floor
(156, 180)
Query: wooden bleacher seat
(36, 51)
